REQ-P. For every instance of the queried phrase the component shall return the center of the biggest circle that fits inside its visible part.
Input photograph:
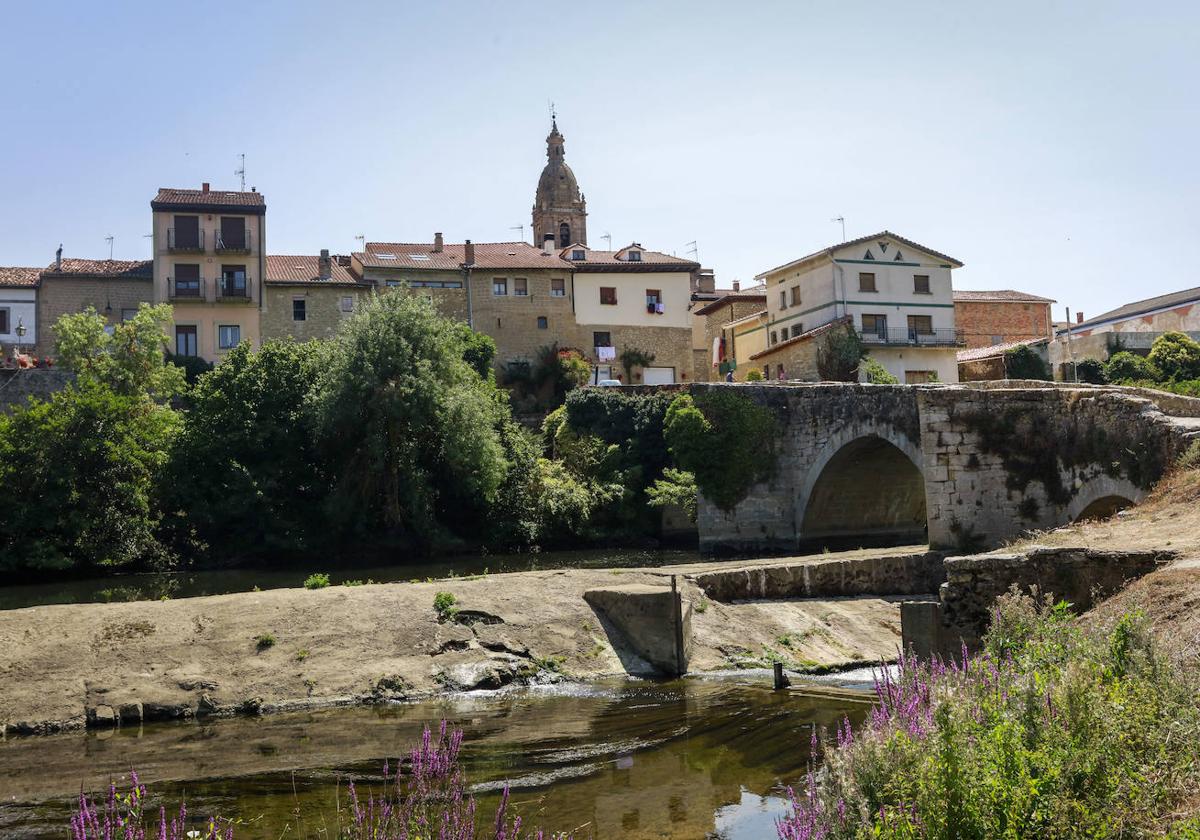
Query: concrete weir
(647, 623)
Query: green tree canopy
(838, 355)
(1024, 363)
(128, 358)
(1177, 356)
(1124, 366)
(403, 423)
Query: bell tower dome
(558, 207)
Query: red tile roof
(173, 199)
(604, 260)
(999, 295)
(131, 269)
(18, 276)
(731, 297)
(804, 336)
(488, 255)
(976, 353)
(304, 270)
(862, 240)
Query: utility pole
(1071, 349)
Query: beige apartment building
(209, 264)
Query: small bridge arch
(1103, 496)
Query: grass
(1055, 729)
(264, 641)
(317, 580)
(302, 654)
(444, 605)
(701, 606)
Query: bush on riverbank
(1053, 730)
(1173, 365)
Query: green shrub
(1125, 367)
(676, 487)
(565, 502)
(632, 357)
(754, 375)
(317, 580)
(444, 605)
(1091, 371)
(1176, 355)
(264, 641)
(1025, 363)
(838, 355)
(876, 373)
(193, 367)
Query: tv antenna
(362, 240)
(608, 237)
(149, 236)
(109, 240)
(842, 221)
(240, 172)
(520, 228)
(694, 250)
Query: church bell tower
(559, 208)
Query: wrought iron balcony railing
(185, 241)
(913, 338)
(185, 289)
(232, 243)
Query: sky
(1048, 146)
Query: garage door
(658, 375)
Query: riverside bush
(1052, 730)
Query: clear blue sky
(1049, 146)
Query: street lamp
(21, 330)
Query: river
(695, 758)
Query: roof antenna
(841, 219)
(241, 172)
(362, 239)
(607, 236)
(694, 250)
(520, 228)
(109, 240)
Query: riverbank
(73, 665)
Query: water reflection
(686, 759)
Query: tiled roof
(421, 256)
(609, 258)
(296, 270)
(19, 276)
(171, 199)
(862, 240)
(977, 353)
(1000, 295)
(1141, 307)
(731, 297)
(132, 269)
(804, 336)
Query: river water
(695, 758)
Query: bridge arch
(866, 485)
(1102, 496)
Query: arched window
(564, 235)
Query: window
(578, 254)
(774, 337)
(419, 257)
(558, 288)
(233, 233)
(794, 296)
(634, 256)
(601, 339)
(187, 280)
(921, 284)
(347, 304)
(126, 315)
(233, 281)
(185, 341)
(920, 324)
(875, 325)
(797, 329)
(499, 286)
(185, 234)
(564, 235)
(385, 256)
(299, 309)
(520, 286)
(782, 299)
(654, 302)
(228, 336)
(997, 339)
(866, 281)
(608, 295)
(4, 322)
(917, 377)
(542, 322)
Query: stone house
(739, 318)
(1133, 327)
(998, 317)
(307, 297)
(896, 293)
(114, 288)
(209, 264)
(18, 309)
(980, 363)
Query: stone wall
(914, 573)
(323, 310)
(60, 296)
(16, 386)
(986, 322)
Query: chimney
(1078, 317)
(468, 253)
(58, 258)
(548, 243)
(437, 243)
(737, 286)
(324, 265)
(204, 187)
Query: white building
(18, 308)
(898, 295)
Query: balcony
(185, 241)
(913, 338)
(185, 289)
(228, 242)
(232, 293)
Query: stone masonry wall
(322, 310)
(16, 386)
(893, 574)
(63, 296)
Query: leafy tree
(403, 424)
(193, 366)
(244, 473)
(1024, 363)
(1091, 371)
(130, 360)
(479, 350)
(633, 357)
(1176, 355)
(78, 474)
(565, 502)
(876, 373)
(1125, 366)
(676, 487)
(838, 355)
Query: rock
(206, 706)
(252, 706)
(130, 713)
(165, 711)
(392, 687)
(451, 645)
(498, 639)
(470, 617)
(102, 717)
(193, 683)
(474, 676)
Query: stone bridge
(961, 467)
